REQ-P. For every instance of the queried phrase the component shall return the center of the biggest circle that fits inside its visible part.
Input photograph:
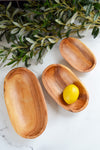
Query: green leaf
(26, 63)
(51, 45)
(74, 2)
(96, 16)
(97, 6)
(9, 5)
(40, 54)
(37, 12)
(24, 58)
(42, 42)
(16, 24)
(13, 45)
(3, 26)
(15, 30)
(73, 18)
(4, 21)
(21, 39)
(67, 23)
(88, 10)
(46, 3)
(27, 24)
(52, 40)
(37, 36)
(16, 12)
(59, 22)
(80, 36)
(22, 31)
(11, 62)
(32, 46)
(45, 22)
(14, 48)
(8, 14)
(22, 51)
(57, 1)
(61, 14)
(29, 40)
(1, 51)
(95, 31)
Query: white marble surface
(65, 130)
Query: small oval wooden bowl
(77, 54)
(55, 78)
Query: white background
(65, 130)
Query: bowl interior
(56, 78)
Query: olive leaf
(57, 1)
(72, 20)
(95, 31)
(32, 46)
(16, 24)
(59, 22)
(88, 9)
(9, 5)
(22, 31)
(52, 40)
(3, 26)
(29, 40)
(15, 30)
(16, 12)
(42, 42)
(96, 16)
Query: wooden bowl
(77, 54)
(55, 78)
(25, 103)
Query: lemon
(70, 94)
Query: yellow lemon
(70, 94)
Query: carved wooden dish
(55, 78)
(25, 103)
(77, 54)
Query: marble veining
(2, 134)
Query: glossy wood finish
(55, 78)
(25, 103)
(77, 54)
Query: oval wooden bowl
(55, 78)
(77, 54)
(25, 103)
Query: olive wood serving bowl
(55, 78)
(25, 103)
(77, 54)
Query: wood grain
(55, 78)
(77, 54)
(25, 103)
